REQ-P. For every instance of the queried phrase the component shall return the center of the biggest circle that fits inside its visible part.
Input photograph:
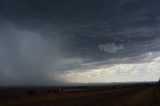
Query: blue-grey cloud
(42, 38)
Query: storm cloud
(48, 42)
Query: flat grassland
(120, 96)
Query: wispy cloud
(110, 47)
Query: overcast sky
(49, 42)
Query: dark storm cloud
(39, 38)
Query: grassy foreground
(134, 96)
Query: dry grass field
(122, 96)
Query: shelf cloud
(51, 42)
